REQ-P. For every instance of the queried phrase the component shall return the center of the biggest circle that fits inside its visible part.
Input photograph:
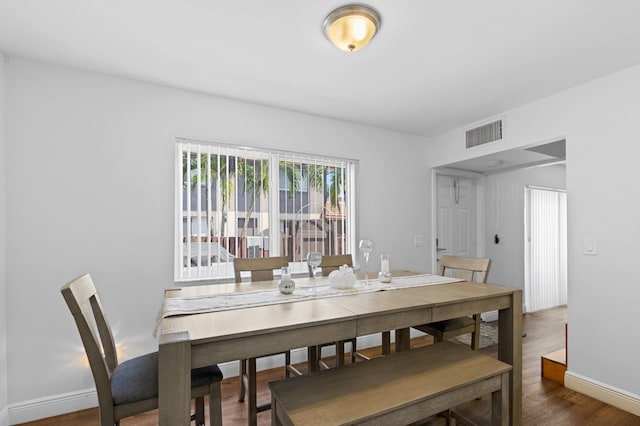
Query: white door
(456, 219)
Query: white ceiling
(433, 66)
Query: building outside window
(226, 207)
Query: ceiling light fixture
(351, 27)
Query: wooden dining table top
(264, 319)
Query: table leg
(174, 379)
(252, 408)
(510, 351)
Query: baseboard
(54, 405)
(605, 393)
(4, 417)
(489, 316)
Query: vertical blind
(234, 201)
(546, 275)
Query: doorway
(545, 248)
(456, 216)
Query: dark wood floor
(544, 402)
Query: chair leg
(243, 378)
(353, 350)
(215, 404)
(199, 417)
(287, 363)
(321, 364)
(475, 336)
(249, 386)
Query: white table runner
(227, 301)
(418, 281)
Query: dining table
(210, 324)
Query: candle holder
(385, 274)
(286, 284)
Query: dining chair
(328, 265)
(468, 269)
(130, 387)
(261, 269)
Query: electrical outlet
(418, 240)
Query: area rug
(488, 336)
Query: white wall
(504, 215)
(90, 169)
(600, 122)
(604, 203)
(3, 254)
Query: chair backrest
(466, 268)
(332, 263)
(261, 267)
(85, 306)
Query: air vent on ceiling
(486, 133)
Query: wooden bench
(400, 388)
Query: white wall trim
(4, 417)
(55, 405)
(608, 394)
(434, 220)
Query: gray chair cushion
(137, 379)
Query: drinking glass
(366, 247)
(314, 259)
(385, 273)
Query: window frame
(224, 270)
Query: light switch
(418, 240)
(590, 246)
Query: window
(226, 207)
